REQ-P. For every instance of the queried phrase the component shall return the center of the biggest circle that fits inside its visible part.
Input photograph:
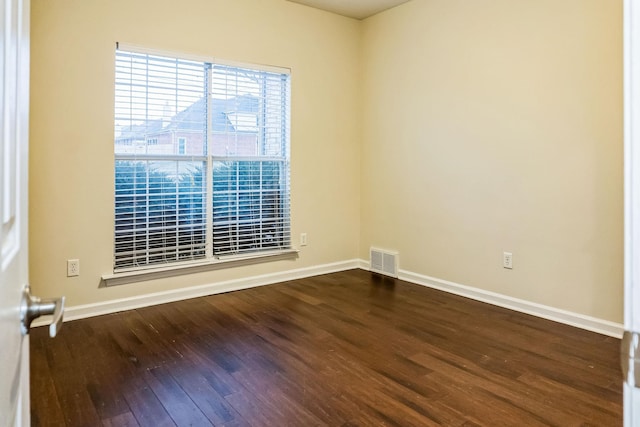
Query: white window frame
(211, 261)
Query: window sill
(122, 278)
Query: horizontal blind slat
(166, 109)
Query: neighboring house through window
(227, 191)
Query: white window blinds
(201, 160)
(250, 151)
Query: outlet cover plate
(507, 260)
(73, 267)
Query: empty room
(341, 213)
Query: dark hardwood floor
(344, 349)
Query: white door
(17, 307)
(14, 98)
(630, 351)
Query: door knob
(34, 307)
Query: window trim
(151, 272)
(211, 261)
(203, 58)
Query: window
(230, 194)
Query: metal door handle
(34, 307)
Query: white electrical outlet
(303, 239)
(73, 267)
(507, 260)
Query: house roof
(193, 118)
(138, 131)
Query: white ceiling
(358, 9)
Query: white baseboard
(114, 306)
(589, 323)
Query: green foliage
(157, 211)
(161, 212)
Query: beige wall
(71, 160)
(450, 131)
(493, 126)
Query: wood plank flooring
(344, 349)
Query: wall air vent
(383, 262)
